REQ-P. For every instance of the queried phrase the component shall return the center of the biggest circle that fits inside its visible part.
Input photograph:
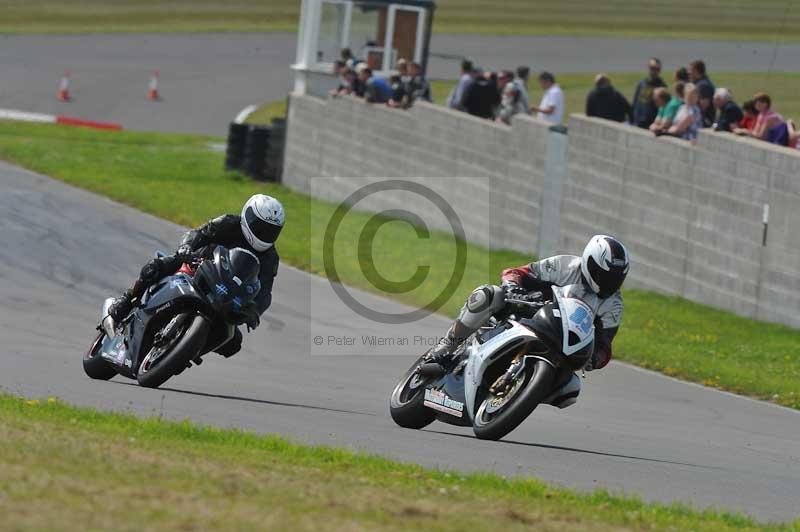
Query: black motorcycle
(178, 320)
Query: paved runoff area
(64, 250)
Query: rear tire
(187, 348)
(406, 404)
(94, 365)
(539, 386)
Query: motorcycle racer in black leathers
(255, 230)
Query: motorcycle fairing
(123, 350)
(481, 356)
(446, 397)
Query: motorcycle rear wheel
(538, 386)
(406, 403)
(93, 364)
(186, 348)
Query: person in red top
(748, 121)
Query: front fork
(505, 381)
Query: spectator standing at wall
(749, 117)
(697, 74)
(376, 89)
(770, 126)
(456, 98)
(522, 84)
(551, 108)
(661, 98)
(794, 135)
(345, 75)
(418, 87)
(668, 107)
(511, 102)
(729, 113)
(399, 98)
(402, 68)
(604, 101)
(482, 96)
(689, 118)
(681, 74)
(644, 108)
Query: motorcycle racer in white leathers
(601, 270)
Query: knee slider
(480, 299)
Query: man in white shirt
(551, 108)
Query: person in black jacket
(604, 101)
(482, 96)
(256, 231)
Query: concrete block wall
(490, 174)
(691, 214)
(621, 181)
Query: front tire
(406, 404)
(538, 386)
(93, 364)
(186, 348)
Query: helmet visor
(261, 229)
(609, 280)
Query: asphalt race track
(206, 79)
(64, 250)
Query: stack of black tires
(257, 150)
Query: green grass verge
(266, 112)
(781, 86)
(67, 468)
(680, 19)
(178, 177)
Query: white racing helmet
(605, 264)
(262, 221)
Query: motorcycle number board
(576, 317)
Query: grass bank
(150, 171)
(65, 468)
(766, 20)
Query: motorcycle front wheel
(93, 364)
(496, 417)
(164, 361)
(406, 404)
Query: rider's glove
(253, 320)
(514, 290)
(184, 252)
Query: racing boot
(441, 352)
(123, 305)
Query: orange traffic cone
(152, 93)
(63, 88)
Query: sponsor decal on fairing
(438, 400)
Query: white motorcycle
(502, 372)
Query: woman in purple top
(770, 126)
